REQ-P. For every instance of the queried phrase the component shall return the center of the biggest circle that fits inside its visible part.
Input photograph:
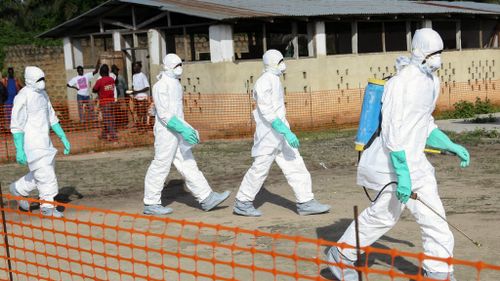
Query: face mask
(434, 62)
(39, 86)
(178, 71)
(282, 67)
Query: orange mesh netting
(220, 116)
(97, 244)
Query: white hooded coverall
(407, 104)
(33, 115)
(269, 145)
(170, 146)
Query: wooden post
(184, 35)
(92, 47)
(358, 250)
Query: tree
(22, 20)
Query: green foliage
(21, 20)
(483, 107)
(476, 137)
(466, 109)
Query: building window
(247, 41)
(490, 30)
(101, 44)
(338, 38)
(448, 32)
(369, 37)
(470, 34)
(142, 40)
(395, 36)
(190, 44)
(303, 39)
(279, 36)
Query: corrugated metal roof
(474, 6)
(202, 8)
(237, 9)
(355, 7)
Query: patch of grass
(327, 134)
(476, 137)
(466, 109)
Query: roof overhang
(233, 10)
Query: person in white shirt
(140, 86)
(81, 83)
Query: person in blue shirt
(12, 86)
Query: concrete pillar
(408, 36)
(459, 35)
(77, 52)
(320, 38)
(128, 60)
(354, 36)
(221, 43)
(68, 65)
(68, 53)
(154, 46)
(117, 41)
(310, 39)
(426, 24)
(295, 40)
(163, 45)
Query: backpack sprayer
(369, 129)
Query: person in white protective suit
(274, 141)
(397, 155)
(32, 118)
(173, 141)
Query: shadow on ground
(265, 196)
(176, 191)
(66, 195)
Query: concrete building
(330, 45)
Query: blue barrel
(370, 112)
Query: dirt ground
(114, 180)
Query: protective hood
(170, 61)
(32, 76)
(425, 43)
(272, 59)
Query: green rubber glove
(290, 137)
(403, 190)
(188, 133)
(60, 133)
(19, 144)
(438, 139)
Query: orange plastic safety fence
(91, 127)
(97, 244)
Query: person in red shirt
(105, 88)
